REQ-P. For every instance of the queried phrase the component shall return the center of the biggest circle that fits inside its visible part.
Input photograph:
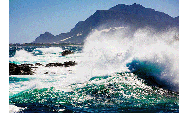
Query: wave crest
(145, 51)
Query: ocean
(116, 72)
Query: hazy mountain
(134, 15)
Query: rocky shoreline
(65, 64)
(23, 69)
(27, 69)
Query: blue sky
(30, 18)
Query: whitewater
(117, 71)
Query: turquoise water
(65, 90)
(118, 93)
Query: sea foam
(114, 51)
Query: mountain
(135, 16)
(177, 20)
(46, 37)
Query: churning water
(117, 71)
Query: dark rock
(69, 63)
(58, 64)
(25, 65)
(67, 52)
(46, 73)
(38, 64)
(54, 64)
(22, 69)
(65, 64)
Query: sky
(30, 18)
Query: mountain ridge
(134, 15)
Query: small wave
(50, 50)
(22, 56)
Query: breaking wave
(117, 71)
(152, 55)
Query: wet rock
(65, 64)
(38, 64)
(25, 65)
(67, 52)
(69, 63)
(23, 69)
(54, 64)
(46, 73)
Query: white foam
(49, 55)
(50, 50)
(107, 53)
(103, 54)
(22, 56)
(15, 109)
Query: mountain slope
(135, 16)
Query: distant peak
(123, 6)
(47, 33)
(119, 6)
(137, 5)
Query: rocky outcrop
(65, 64)
(69, 63)
(67, 52)
(38, 64)
(53, 64)
(23, 69)
(27, 69)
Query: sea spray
(43, 77)
(110, 51)
(107, 77)
(21, 56)
(105, 53)
(50, 50)
(39, 55)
